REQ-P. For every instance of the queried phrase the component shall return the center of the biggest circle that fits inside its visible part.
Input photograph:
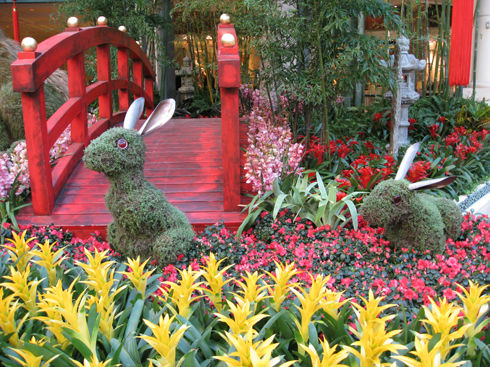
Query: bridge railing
(35, 65)
(229, 83)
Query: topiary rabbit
(145, 223)
(411, 219)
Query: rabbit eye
(122, 143)
(397, 199)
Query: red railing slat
(77, 88)
(123, 74)
(104, 74)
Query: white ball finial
(72, 22)
(101, 20)
(225, 19)
(28, 44)
(228, 40)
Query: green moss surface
(145, 223)
(410, 219)
(451, 216)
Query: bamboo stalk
(477, 14)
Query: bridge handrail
(229, 83)
(29, 73)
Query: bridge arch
(29, 73)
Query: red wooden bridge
(195, 162)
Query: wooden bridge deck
(183, 160)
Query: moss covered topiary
(145, 223)
(410, 219)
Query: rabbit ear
(407, 161)
(134, 113)
(435, 183)
(159, 117)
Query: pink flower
(418, 285)
(346, 282)
(271, 153)
(452, 261)
(299, 251)
(410, 295)
(449, 294)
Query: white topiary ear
(435, 183)
(159, 117)
(407, 161)
(134, 113)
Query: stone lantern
(405, 66)
(187, 89)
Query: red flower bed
(356, 260)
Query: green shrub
(309, 199)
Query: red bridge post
(229, 83)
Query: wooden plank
(190, 196)
(91, 208)
(102, 188)
(169, 180)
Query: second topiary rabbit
(145, 223)
(411, 219)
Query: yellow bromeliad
(371, 310)
(21, 287)
(164, 340)
(215, 280)
(8, 322)
(249, 353)
(107, 311)
(441, 319)
(425, 357)
(48, 259)
(475, 305)
(332, 303)
(67, 314)
(93, 363)
(373, 342)
(373, 339)
(100, 277)
(28, 359)
(282, 285)
(330, 357)
(137, 275)
(183, 293)
(19, 249)
(244, 318)
(310, 303)
(250, 290)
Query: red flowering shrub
(360, 165)
(356, 260)
(464, 142)
(418, 171)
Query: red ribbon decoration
(461, 42)
(15, 23)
